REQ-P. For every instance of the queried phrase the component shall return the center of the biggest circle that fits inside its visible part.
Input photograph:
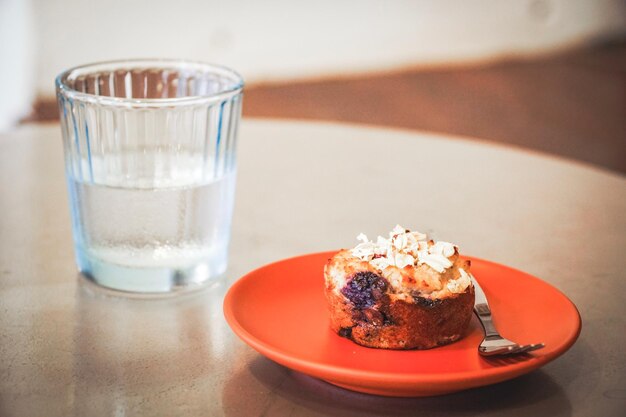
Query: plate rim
(334, 372)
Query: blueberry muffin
(401, 292)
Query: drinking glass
(150, 163)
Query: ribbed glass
(150, 159)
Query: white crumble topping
(459, 284)
(404, 248)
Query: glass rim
(66, 90)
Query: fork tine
(535, 346)
(520, 349)
(515, 349)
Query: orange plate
(280, 310)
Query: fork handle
(483, 312)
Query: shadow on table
(285, 391)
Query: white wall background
(270, 40)
(17, 58)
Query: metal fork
(493, 343)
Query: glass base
(149, 280)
